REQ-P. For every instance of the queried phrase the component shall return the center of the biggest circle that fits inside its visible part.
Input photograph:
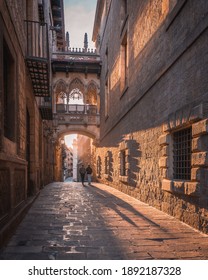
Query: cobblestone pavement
(69, 221)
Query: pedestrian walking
(82, 172)
(89, 174)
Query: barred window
(182, 154)
(123, 163)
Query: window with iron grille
(182, 154)
(123, 171)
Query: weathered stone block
(192, 188)
(163, 162)
(200, 143)
(186, 115)
(200, 175)
(178, 187)
(199, 159)
(178, 116)
(123, 178)
(166, 127)
(128, 165)
(164, 139)
(200, 128)
(164, 151)
(167, 185)
(196, 113)
(196, 174)
(164, 172)
(172, 121)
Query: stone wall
(20, 174)
(166, 91)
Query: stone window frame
(182, 147)
(194, 117)
(98, 167)
(107, 96)
(124, 64)
(9, 140)
(107, 165)
(124, 154)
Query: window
(123, 171)
(99, 167)
(107, 98)
(124, 164)
(106, 61)
(182, 154)
(108, 164)
(124, 64)
(8, 92)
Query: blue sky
(79, 18)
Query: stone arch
(60, 90)
(92, 91)
(75, 94)
(78, 130)
(78, 87)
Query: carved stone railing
(77, 109)
(76, 119)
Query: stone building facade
(26, 161)
(154, 103)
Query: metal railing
(37, 57)
(37, 40)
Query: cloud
(78, 20)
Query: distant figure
(89, 174)
(82, 172)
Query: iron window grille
(182, 154)
(123, 163)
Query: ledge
(181, 187)
(123, 178)
(106, 176)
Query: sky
(69, 139)
(79, 18)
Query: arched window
(75, 97)
(60, 92)
(61, 98)
(91, 94)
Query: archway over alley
(72, 150)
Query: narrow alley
(69, 221)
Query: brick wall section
(167, 80)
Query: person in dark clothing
(82, 172)
(89, 174)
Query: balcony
(74, 114)
(37, 57)
(76, 60)
(45, 107)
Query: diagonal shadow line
(123, 204)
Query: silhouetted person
(89, 174)
(82, 172)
